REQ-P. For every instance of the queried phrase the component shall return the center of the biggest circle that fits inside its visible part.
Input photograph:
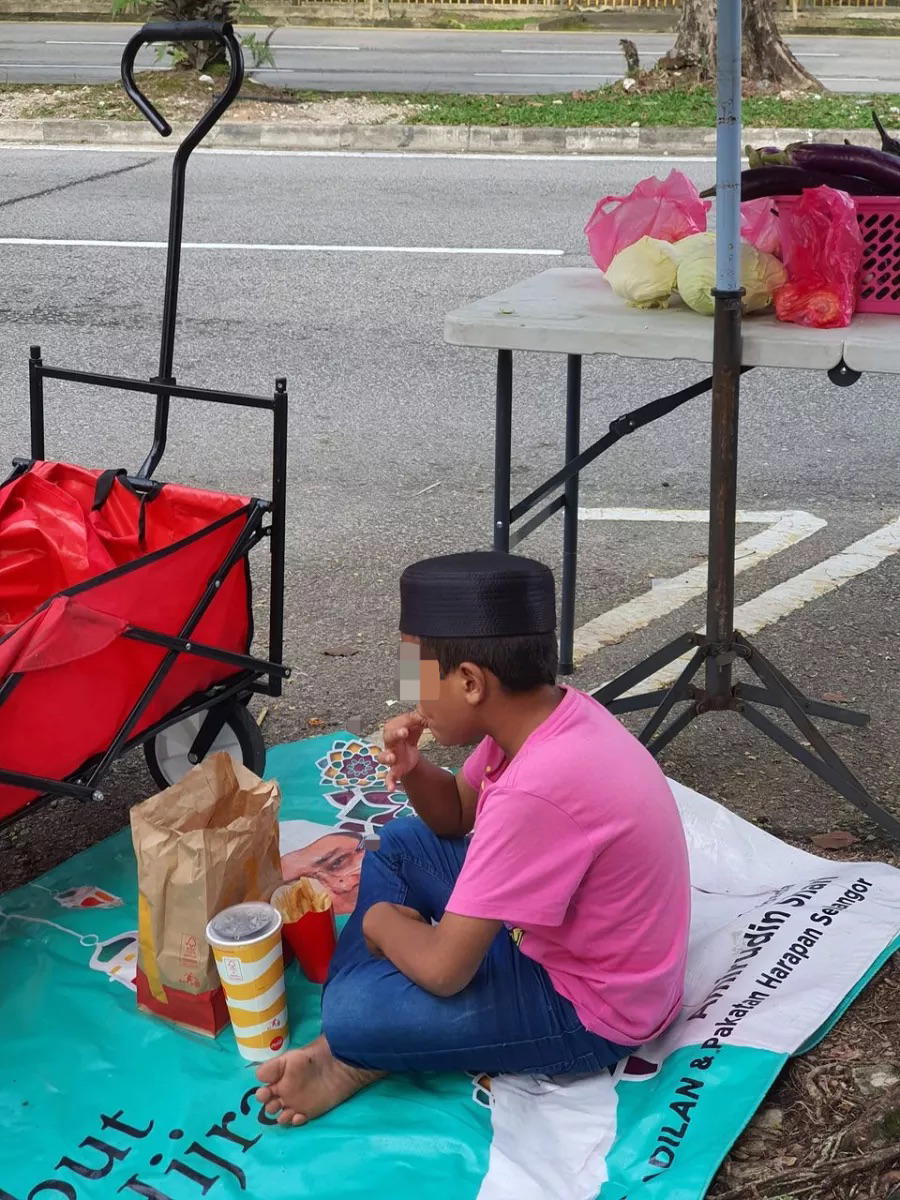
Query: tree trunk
(767, 61)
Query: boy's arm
(445, 804)
(441, 958)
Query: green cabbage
(643, 273)
(761, 274)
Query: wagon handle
(184, 31)
(177, 31)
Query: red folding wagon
(125, 603)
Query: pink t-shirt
(578, 844)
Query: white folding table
(571, 311)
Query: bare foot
(304, 1084)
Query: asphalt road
(424, 60)
(391, 429)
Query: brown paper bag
(201, 845)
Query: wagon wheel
(167, 753)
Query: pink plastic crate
(879, 287)
(879, 220)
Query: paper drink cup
(246, 943)
(307, 910)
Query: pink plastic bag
(822, 249)
(759, 225)
(668, 209)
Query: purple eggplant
(791, 181)
(874, 165)
(889, 144)
(757, 157)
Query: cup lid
(243, 923)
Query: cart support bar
(49, 787)
(153, 387)
(239, 548)
(201, 650)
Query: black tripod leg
(678, 691)
(815, 708)
(639, 702)
(628, 679)
(829, 766)
(672, 731)
(845, 783)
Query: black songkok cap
(484, 593)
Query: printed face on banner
(335, 861)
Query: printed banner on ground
(99, 1101)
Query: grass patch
(424, 20)
(611, 106)
(182, 97)
(834, 26)
(448, 22)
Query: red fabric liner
(80, 676)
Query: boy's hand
(401, 746)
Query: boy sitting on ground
(552, 941)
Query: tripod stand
(717, 651)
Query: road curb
(652, 141)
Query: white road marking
(539, 75)
(866, 80)
(567, 53)
(275, 45)
(784, 529)
(278, 46)
(785, 598)
(289, 247)
(61, 67)
(460, 156)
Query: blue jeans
(509, 1019)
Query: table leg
(503, 449)
(570, 517)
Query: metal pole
(570, 517)
(36, 400)
(279, 519)
(170, 310)
(728, 146)
(726, 356)
(503, 449)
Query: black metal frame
(177, 31)
(250, 671)
(564, 481)
(721, 646)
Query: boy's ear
(474, 682)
